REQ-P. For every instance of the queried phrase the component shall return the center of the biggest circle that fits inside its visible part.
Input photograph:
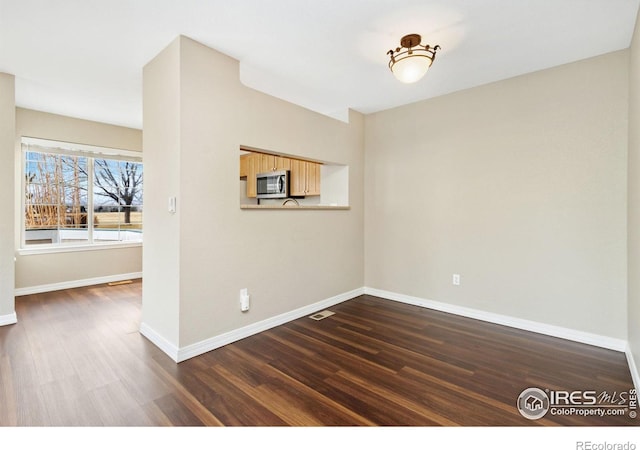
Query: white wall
(7, 189)
(634, 196)
(287, 259)
(33, 271)
(519, 186)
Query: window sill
(305, 207)
(44, 249)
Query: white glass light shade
(411, 68)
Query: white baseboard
(180, 354)
(513, 322)
(76, 283)
(8, 319)
(159, 341)
(633, 368)
(223, 339)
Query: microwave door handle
(281, 184)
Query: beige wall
(161, 255)
(519, 186)
(7, 189)
(53, 268)
(287, 259)
(634, 196)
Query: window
(77, 194)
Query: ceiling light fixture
(411, 61)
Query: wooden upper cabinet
(270, 163)
(305, 178)
(297, 182)
(304, 175)
(267, 163)
(282, 163)
(313, 178)
(244, 163)
(253, 169)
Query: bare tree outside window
(56, 191)
(118, 184)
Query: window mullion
(90, 209)
(23, 196)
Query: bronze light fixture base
(410, 40)
(411, 60)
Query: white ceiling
(84, 58)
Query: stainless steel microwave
(273, 184)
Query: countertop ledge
(313, 207)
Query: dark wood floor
(76, 358)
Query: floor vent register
(322, 315)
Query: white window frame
(90, 152)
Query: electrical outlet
(244, 300)
(456, 279)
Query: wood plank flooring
(76, 358)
